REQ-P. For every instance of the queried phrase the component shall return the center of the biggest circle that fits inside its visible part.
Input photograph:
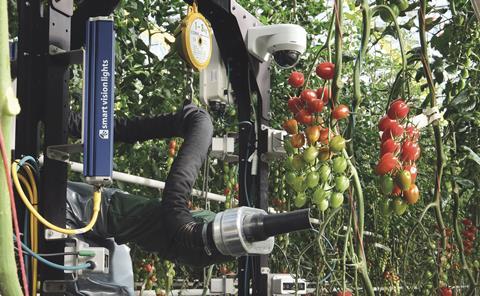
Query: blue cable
(51, 264)
(26, 226)
(29, 159)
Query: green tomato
(476, 264)
(341, 183)
(386, 207)
(386, 16)
(300, 200)
(386, 184)
(318, 196)
(299, 184)
(169, 161)
(312, 179)
(310, 154)
(339, 164)
(402, 4)
(404, 180)
(290, 178)
(297, 162)
(323, 205)
(399, 206)
(395, 9)
(289, 162)
(336, 200)
(288, 147)
(337, 144)
(325, 173)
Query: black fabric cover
(164, 226)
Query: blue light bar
(98, 92)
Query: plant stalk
(9, 284)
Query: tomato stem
(436, 127)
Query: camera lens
(286, 58)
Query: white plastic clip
(254, 160)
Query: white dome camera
(286, 42)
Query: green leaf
(472, 155)
(464, 182)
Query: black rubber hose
(261, 227)
(165, 226)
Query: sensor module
(98, 95)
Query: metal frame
(230, 23)
(43, 93)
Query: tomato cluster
(344, 293)
(446, 291)
(315, 162)
(469, 235)
(172, 150)
(399, 151)
(232, 188)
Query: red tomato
(412, 133)
(395, 129)
(312, 133)
(226, 191)
(413, 171)
(324, 94)
(471, 228)
(469, 235)
(385, 123)
(237, 187)
(396, 190)
(398, 109)
(298, 140)
(290, 126)
(467, 222)
(148, 268)
(315, 106)
(386, 135)
(412, 194)
(172, 144)
(387, 163)
(296, 79)
(171, 152)
(325, 70)
(389, 146)
(410, 151)
(467, 243)
(223, 269)
(446, 291)
(304, 116)
(340, 112)
(295, 105)
(324, 135)
(308, 95)
(344, 293)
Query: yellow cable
(33, 228)
(97, 198)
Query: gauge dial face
(200, 42)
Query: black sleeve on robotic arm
(131, 130)
(166, 226)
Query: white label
(200, 41)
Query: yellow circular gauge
(194, 40)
